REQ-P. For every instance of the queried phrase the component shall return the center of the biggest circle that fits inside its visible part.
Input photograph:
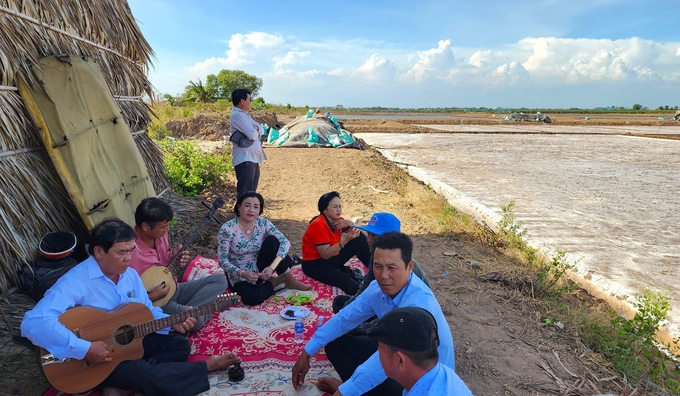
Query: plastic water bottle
(299, 328)
(319, 321)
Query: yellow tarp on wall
(87, 138)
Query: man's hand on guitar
(184, 258)
(159, 292)
(98, 353)
(185, 326)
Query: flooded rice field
(611, 202)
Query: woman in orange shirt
(329, 242)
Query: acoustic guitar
(122, 330)
(159, 274)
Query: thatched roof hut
(34, 200)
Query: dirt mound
(264, 117)
(198, 127)
(213, 126)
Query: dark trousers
(196, 293)
(247, 177)
(333, 271)
(254, 294)
(348, 352)
(339, 303)
(163, 370)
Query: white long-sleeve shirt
(244, 123)
(84, 285)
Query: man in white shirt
(246, 152)
(105, 281)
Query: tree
(258, 104)
(228, 80)
(637, 107)
(197, 92)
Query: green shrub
(551, 275)
(511, 233)
(631, 345)
(158, 130)
(189, 169)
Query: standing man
(105, 281)
(407, 343)
(152, 247)
(246, 152)
(355, 358)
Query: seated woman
(329, 242)
(251, 249)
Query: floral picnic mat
(262, 337)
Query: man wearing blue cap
(355, 357)
(380, 223)
(407, 344)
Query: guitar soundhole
(124, 335)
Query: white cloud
(244, 49)
(484, 58)
(298, 71)
(376, 69)
(509, 73)
(337, 72)
(433, 63)
(576, 61)
(291, 58)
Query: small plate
(295, 308)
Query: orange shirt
(319, 232)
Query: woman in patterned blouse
(251, 249)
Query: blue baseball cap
(381, 222)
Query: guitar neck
(169, 321)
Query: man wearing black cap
(355, 357)
(407, 343)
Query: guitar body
(122, 330)
(115, 328)
(154, 276)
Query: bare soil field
(503, 344)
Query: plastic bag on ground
(313, 137)
(334, 140)
(273, 135)
(345, 137)
(283, 137)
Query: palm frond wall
(33, 200)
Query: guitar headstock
(226, 300)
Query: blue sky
(491, 53)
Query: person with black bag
(246, 152)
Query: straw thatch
(34, 201)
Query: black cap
(408, 328)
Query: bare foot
(328, 384)
(115, 392)
(293, 283)
(220, 362)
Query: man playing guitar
(105, 281)
(152, 219)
